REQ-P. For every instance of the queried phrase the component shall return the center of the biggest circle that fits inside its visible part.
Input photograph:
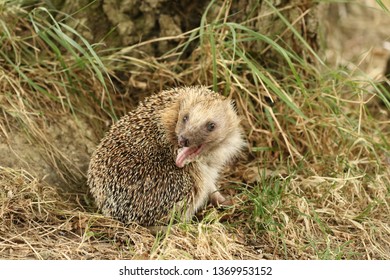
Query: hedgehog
(165, 156)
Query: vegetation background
(309, 79)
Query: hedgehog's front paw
(217, 199)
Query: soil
(357, 37)
(71, 142)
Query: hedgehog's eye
(185, 118)
(210, 126)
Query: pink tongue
(184, 153)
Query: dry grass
(40, 223)
(314, 183)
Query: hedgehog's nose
(183, 141)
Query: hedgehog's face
(201, 127)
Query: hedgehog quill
(166, 154)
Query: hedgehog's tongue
(187, 153)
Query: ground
(332, 204)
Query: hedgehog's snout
(183, 141)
